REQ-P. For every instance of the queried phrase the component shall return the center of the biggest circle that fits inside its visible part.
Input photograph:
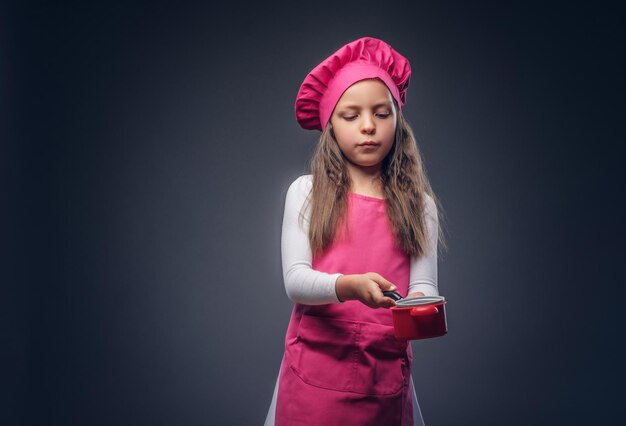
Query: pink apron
(342, 363)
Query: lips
(369, 143)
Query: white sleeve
(423, 272)
(303, 284)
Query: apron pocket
(382, 365)
(324, 352)
(350, 356)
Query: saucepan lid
(414, 301)
(420, 300)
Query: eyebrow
(378, 105)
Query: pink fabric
(342, 363)
(361, 59)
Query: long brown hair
(404, 182)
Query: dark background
(146, 152)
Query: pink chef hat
(361, 59)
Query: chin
(369, 164)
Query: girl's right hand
(366, 288)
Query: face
(364, 123)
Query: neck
(365, 180)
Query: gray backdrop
(148, 148)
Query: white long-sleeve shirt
(310, 287)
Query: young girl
(364, 222)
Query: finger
(382, 283)
(386, 285)
(383, 301)
(374, 276)
(389, 302)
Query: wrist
(343, 288)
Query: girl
(364, 222)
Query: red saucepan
(418, 317)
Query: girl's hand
(366, 288)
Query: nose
(367, 125)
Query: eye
(383, 114)
(349, 117)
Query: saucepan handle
(392, 294)
(423, 311)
